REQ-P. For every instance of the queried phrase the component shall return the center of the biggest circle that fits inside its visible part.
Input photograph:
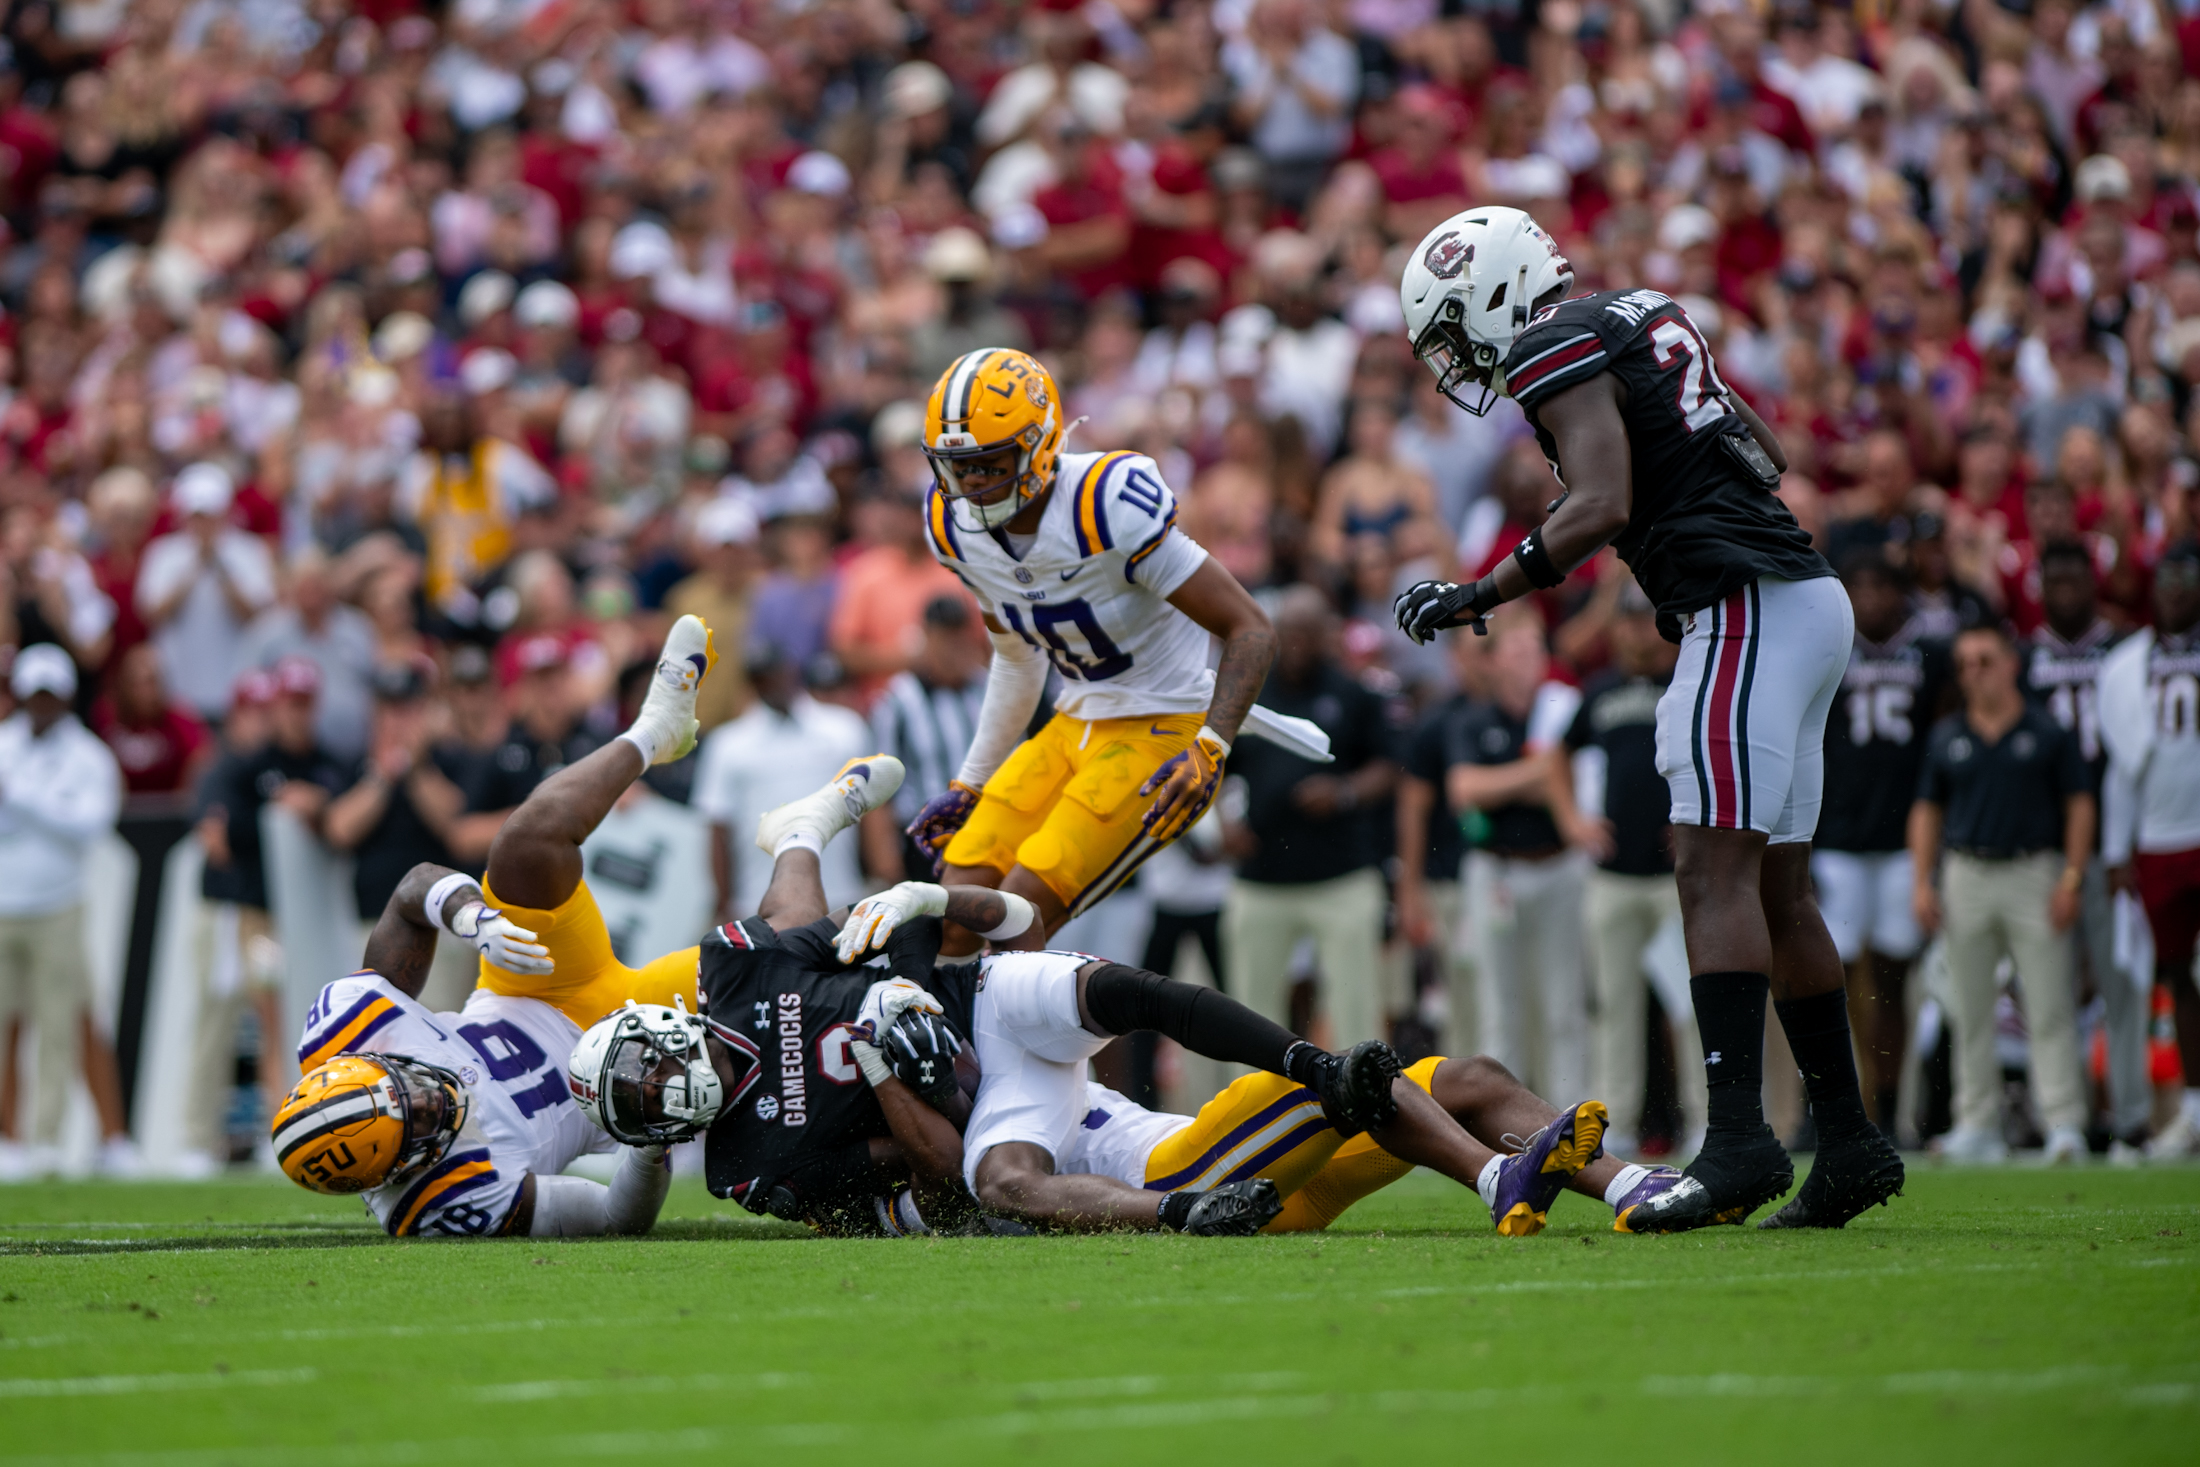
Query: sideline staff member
(2006, 789)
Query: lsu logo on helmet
(359, 1120)
(993, 402)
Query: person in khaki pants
(2006, 791)
(60, 790)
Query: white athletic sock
(1486, 1183)
(799, 840)
(1629, 1176)
(644, 738)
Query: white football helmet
(1468, 291)
(643, 1075)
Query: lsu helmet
(994, 401)
(1468, 290)
(360, 1120)
(643, 1075)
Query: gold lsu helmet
(990, 401)
(360, 1120)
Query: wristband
(1021, 914)
(1535, 562)
(869, 1060)
(440, 894)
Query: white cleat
(1973, 1147)
(861, 786)
(118, 1160)
(2065, 1147)
(667, 718)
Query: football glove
(875, 917)
(887, 1001)
(504, 943)
(921, 1049)
(1427, 607)
(1204, 755)
(940, 818)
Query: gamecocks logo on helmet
(1447, 257)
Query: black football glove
(1234, 1209)
(921, 1048)
(1427, 607)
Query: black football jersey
(1701, 528)
(793, 1136)
(1875, 739)
(2064, 677)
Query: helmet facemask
(654, 1083)
(433, 1106)
(954, 453)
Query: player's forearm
(1013, 685)
(402, 945)
(928, 1140)
(1415, 799)
(637, 1190)
(1246, 653)
(1485, 786)
(2080, 821)
(1924, 841)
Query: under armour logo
(763, 1016)
(1711, 1058)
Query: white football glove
(886, 1002)
(875, 917)
(504, 943)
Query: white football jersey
(1092, 589)
(509, 1053)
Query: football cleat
(1846, 1179)
(1733, 1177)
(1354, 1087)
(1235, 1209)
(860, 786)
(1662, 1179)
(921, 1049)
(668, 710)
(1529, 1182)
(359, 1121)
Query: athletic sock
(1817, 1030)
(1123, 1000)
(1629, 1178)
(799, 840)
(1486, 1183)
(1730, 1015)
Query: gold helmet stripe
(361, 1022)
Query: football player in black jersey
(1659, 459)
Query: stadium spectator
(2150, 721)
(60, 791)
(926, 717)
(338, 639)
(720, 592)
(159, 748)
(1524, 888)
(1610, 802)
(1307, 847)
(877, 625)
(2005, 792)
(404, 801)
(199, 587)
(787, 744)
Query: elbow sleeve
(1013, 685)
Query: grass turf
(1989, 1316)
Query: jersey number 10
(1100, 660)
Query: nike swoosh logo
(1073, 570)
(1158, 731)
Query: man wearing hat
(200, 586)
(60, 790)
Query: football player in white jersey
(458, 1125)
(1076, 560)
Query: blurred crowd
(377, 378)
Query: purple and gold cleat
(1662, 1179)
(1530, 1182)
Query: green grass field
(1990, 1316)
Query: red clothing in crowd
(154, 754)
